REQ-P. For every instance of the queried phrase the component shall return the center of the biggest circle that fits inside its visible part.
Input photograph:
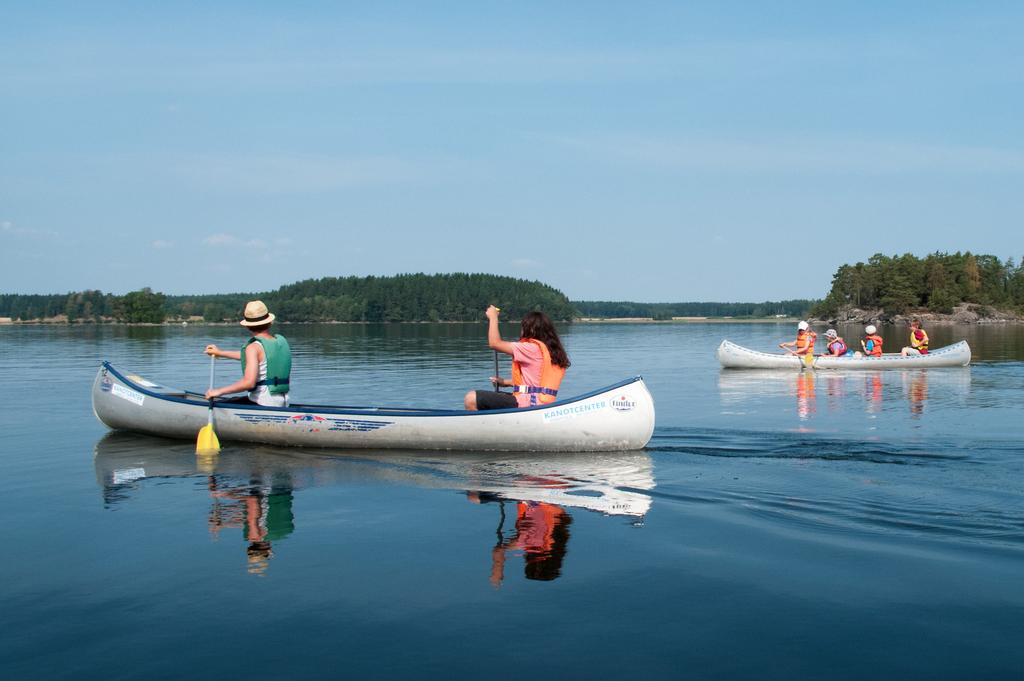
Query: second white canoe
(732, 356)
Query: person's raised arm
(494, 340)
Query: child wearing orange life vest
(804, 343)
(538, 364)
(872, 342)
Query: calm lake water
(780, 525)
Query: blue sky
(644, 151)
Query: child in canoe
(538, 364)
(835, 346)
(872, 342)
(918, 340)
(804, 343)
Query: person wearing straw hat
(266, 361)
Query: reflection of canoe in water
(733, 356)
(754, 385)
(619, 417)
(613, 483)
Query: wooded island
(884, 286)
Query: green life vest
(276, 519)
(279, 363)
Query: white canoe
(733, 356)
(618, 417)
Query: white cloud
(8, 227)
(230, 240)
(160, 244)
(220, 240)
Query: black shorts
(490, 399)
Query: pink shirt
(530, 359)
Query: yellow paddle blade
(207, 442)
(809, 359)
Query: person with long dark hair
(538, 364)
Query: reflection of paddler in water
(264, 513)
(541, 533)
(918, 392)
(805, 398)
(835, 389)
(874, 392)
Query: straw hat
(256, 314)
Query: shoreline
(927, 319)
(965, 313)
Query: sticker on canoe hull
(315, 423)
(358, 425)
(623, 403)
(124, 393)
(572, 411)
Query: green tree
(142, 306)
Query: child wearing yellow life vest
(918, 340)
(538, 364)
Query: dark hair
(259, 549)
(537, 325)
(259, 329)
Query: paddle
(806, 360)
(497, 374)
(207, 442)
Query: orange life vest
(805, 342)
(550, 377)
(920, 345)
(876, 351)
(535, 526)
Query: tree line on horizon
(455, 297)
(936, 283)
(897, 284)
(663, 311)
